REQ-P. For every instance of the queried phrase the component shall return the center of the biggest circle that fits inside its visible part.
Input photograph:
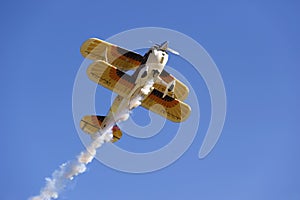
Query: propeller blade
(173, 51)
(164, 47)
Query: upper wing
(181, 91)
(123, 59)
(168, 107)
(110, 77)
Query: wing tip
(186, 111)
(88, 46)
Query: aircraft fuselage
(145, 76)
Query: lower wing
(110, 77)
(180, 90)
(168, 107)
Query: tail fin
(91, 124)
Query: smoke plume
(67, 171)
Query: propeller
(164, 47)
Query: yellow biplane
(149, 86)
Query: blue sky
(255, 44)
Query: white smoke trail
(69, 170)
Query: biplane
(149, 86)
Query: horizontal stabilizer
(91, 124)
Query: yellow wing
(123, 59)
(181, 91)
(110, 77)
(168, 107)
